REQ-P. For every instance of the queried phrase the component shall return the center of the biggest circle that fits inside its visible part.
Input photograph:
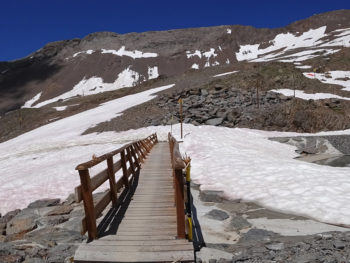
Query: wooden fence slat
(102, 203)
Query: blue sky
(26, 26)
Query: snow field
(245, 165)
(41, 163)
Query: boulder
(211, 196)
(275, 246)
(204, 92)
(44, 203)
(61, 210)
(217, 215)
(20, 225)
(215, 121)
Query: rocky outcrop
(231, 106)
(45, 231)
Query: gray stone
(9, 216)
(34, 260)
(238, 223)
(217, 215)
(20, 225)
(61, 210)
(338, 244)
(44, 203)
(215, 121)
(204, 92)
(258, 235)
(275, 246)
(211, 196)
(212, 260)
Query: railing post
(140, 151)
(133, 152)
(180, 208)
(125, 170)
(112, 181)
(145, 146)
(129, 157)
(90, 214)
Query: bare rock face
(59, 66)
(44, 203)
(20, 225)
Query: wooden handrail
(133, 153)
(178, 165)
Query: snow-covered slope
(41, 163)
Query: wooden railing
(133, 154)
(178, 166)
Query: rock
(224, 260)
(258, 235)
(211, 196)
(44, 203)
(238, 223)
(217, 215)
(9, 216)
(204, 92)
(61, 210)
(215, 121)
(61, 253)
(275, 246)
(222, 114)
(338, 244)
(52, 220)
(11, 258)
(34, 260)
(70, 200)
(2, 238)
(212, 260)
(20, 225)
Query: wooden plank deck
(146, 227)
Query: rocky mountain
(66, 71)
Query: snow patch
(224, 74)
(195, 53)
(89, 52)
(195, 66)
(153, 72)
(133, 54)
(29, 103)
(303, 67)
(94, 85)
(60, 108)
(308, 96)
(337, 77)
(228, 31)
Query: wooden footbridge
(145, 219)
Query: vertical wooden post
(129, 157)
(145, 146)
(140, 151)
(125, 170)
(133, 152)
(86, 191)
(180, 207)
(112, 181)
